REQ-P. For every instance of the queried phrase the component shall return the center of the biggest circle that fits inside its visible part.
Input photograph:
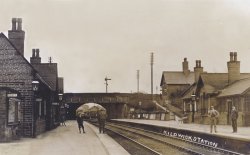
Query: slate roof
(48, 72)
(172, 77)
(214, 81)
(236, 88)
(217, 81)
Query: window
(44, 108)
(14, 114)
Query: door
(229, 106)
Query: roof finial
(50, 60)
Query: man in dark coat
(79, 120)
(102, 115)
(234, 117)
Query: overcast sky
(92, 39)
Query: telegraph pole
(106, 83)
(151, 63)
(138, 81)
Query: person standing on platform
(213, 114)
(234, 117)
(102, 116)
(63, 120)
(79, 120)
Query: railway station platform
(224, 138)
(65, 140)
(222, 130)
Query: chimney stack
(35, 59)
(185, 69)
(16, 35)
(197, 70)
(233, 68)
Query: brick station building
(195, 96)
(24, 110)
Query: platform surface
(65, 140)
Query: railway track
(157, 143)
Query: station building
(221, 90)
(27, 92)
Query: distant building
(173, 83)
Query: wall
(17, 74)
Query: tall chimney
(185, 69)
(35, 59)
(17, 35)
(233, 68)
(197, 70)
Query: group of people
(101, 116)
(214, 114)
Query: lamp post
(35, 87)
(140, 109)
(193, 102)
(61, 108)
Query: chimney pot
(19, 26)
(197, 63)
(14, 20)
(185, 66)
(33, 53)
(235, 56)
(231, 56)
(37, 53)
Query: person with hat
(234, 117)
(79, 120)
(102, 116)
(213, 114)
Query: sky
(91, 39)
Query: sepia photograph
(125, 77)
